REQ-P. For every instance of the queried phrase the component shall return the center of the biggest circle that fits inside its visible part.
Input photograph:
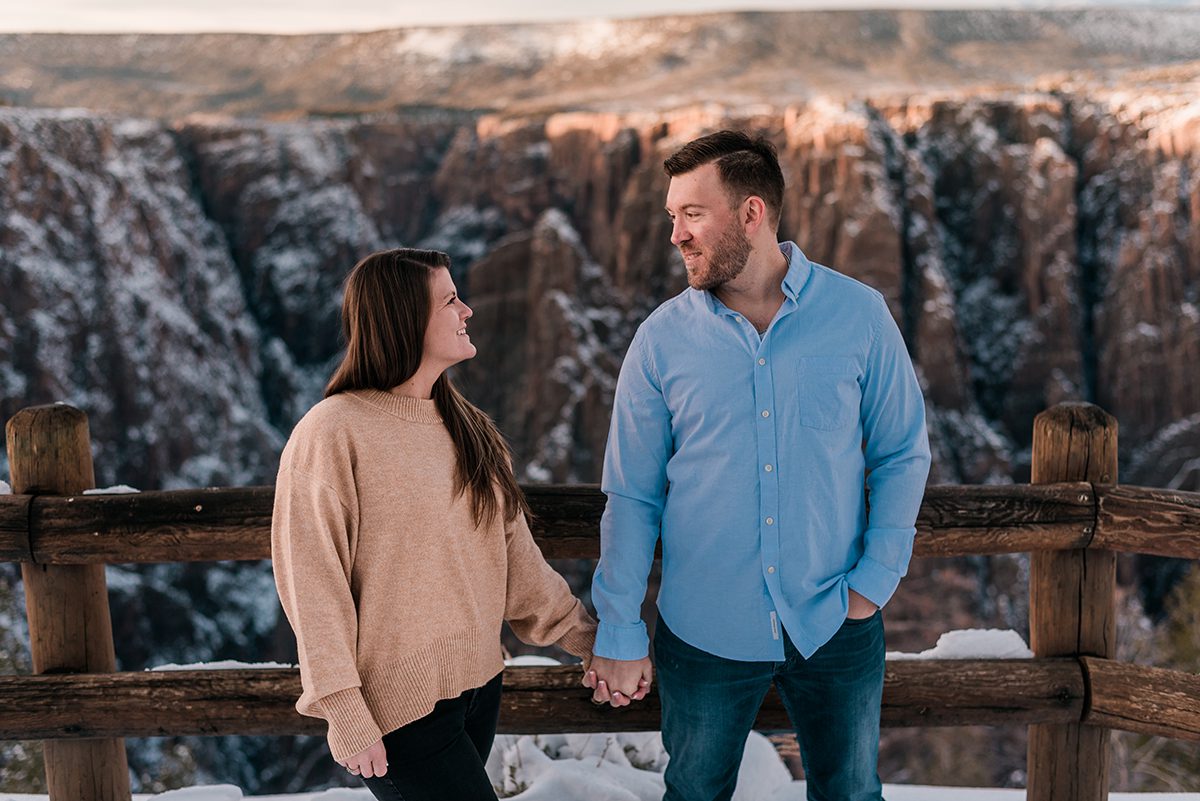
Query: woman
(400, 543)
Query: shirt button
(762, 361)
(768, 468)
(771, 569)
(766, 413)
(770, 521)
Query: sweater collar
(415, 410)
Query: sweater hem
(408, 688)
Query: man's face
(706, 228)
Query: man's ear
(754, 213)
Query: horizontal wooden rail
(536, 699)
(965, 692)
(14, 528)
(234, 523)
(1142, 699)
(1146, 520)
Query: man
(747, 412)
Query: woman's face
(446, 339)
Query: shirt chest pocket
(829, 394)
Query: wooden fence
(1072, 518)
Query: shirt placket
(768, 475)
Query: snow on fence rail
(1072, 518)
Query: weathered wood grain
(536, 699)
(14, 528)
(1071, 602)
(1151, 521)
(235, 523)
(1143, 699)
(70, 629)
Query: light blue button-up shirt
(747, 455)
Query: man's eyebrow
(450, 294)
(685, 207)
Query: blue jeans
(441, 756)
(833, 698)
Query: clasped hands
(618, 682)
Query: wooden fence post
(1072, 611)
(70, 629)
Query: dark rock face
(552, 317)
(1141, 216)
(182, 282)
(120, 296)
(1003, 236)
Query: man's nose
(466, 312)
(679, 233)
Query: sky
(308, 16)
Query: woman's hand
(368, 763)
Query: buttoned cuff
(626, 642)
(873, 581)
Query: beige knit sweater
(395, 596)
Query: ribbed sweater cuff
(579, 641)
(352, 728)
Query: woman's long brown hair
(385, 311)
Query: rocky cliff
(180, 282)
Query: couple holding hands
(750, 412)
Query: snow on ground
(619, 767)
(5, 489)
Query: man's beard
(726, 259)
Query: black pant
(441, 756)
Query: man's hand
(368, 763)
(860, 607)
(619, 682)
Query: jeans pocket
(861, 621)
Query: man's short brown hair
(747, 166)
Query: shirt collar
(799, 269)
